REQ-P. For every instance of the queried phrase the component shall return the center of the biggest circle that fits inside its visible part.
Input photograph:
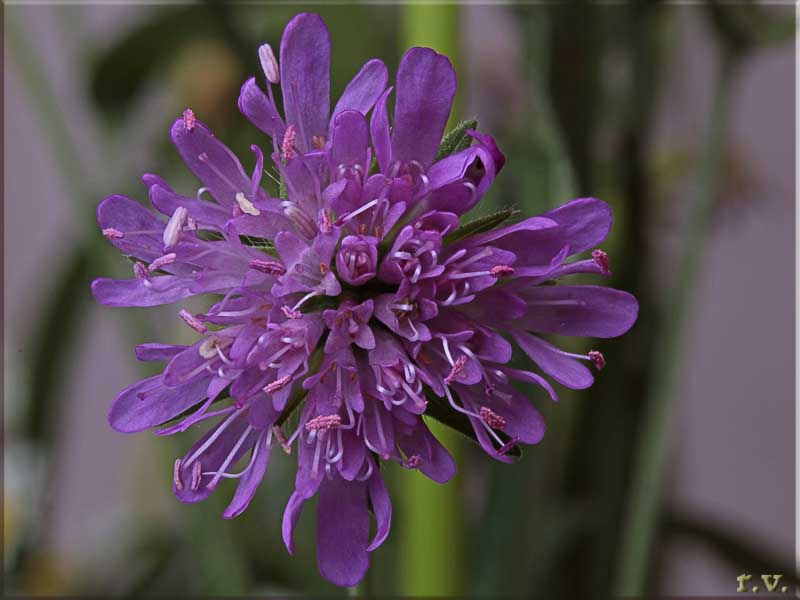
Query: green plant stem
(430, 553)
(644, 497)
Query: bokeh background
(672, 475)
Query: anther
(281, 437)
(113, 234)
(278, 384)
(197, 472)
(501, 271)
(189, 119)
(268, 63)
(318, 141)
(291, 313)
(161, 261)
(326, 226)
(598, 359)
(324, 423)
(140, 270)
(192, 321)
(270, 267)
(173, 229)
(208, 349)
(491, 418)
(323, 268)
(508, 446)
(287, 148)
(458, 366)
(601, 258)
(176, 475)
(414, 462)
(245, 205)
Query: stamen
(324, 423)
(245, 205)
(270, 267)
(161, 261)
(269, 64)
(173, 229)
(491, 418)
(278, 384)
(598, 359)
(189, 119)
(501, 271)
(457, 368)
(192, 321)
(601, 258)
(210, 346)
(176, 474)
(287, 147)
(113, 234)
(318, 141)
(326, 226)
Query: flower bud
(357, 259)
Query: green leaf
(439, 409)
(457, 139)
(480, 225)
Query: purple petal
(157, 352)
(349, 140)
(583, 223)
(564, 369)
(260, 111)
(248, 484)
(343, 531)
(305, 62)
(426, 86)
(290, 516)
(379, 131)
(579, 310)
(149, 402)
(233, 438)
(364, 89)
(382, 507)
(211, 161)
(126, 215)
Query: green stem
(644, 498)
(430, 554)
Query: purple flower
(358, 300)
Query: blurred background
(672, 475)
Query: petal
(290, 516)
(211, 161)
(248, 483)
(305, 62)
(379, 131)
(233, 438)
(126, 215)
(204, 212)
(157, 352)
(164, 289)
(381, 507)
(583, 223)
(343, 531)
(579, 310)
(364, 89)
(564, 369)
(149, 403)
(349, 140)
(426, 86)
(260, 111)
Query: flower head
(355, 300)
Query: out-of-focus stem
(431, 530)
(644, 498)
